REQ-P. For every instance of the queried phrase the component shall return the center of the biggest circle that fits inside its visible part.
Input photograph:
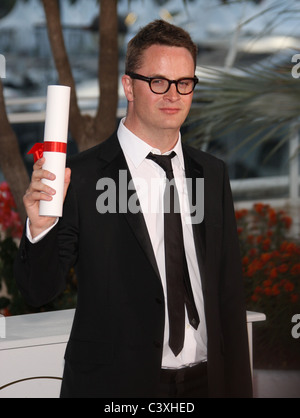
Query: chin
(172, 124)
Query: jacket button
(158, 301)
(23, 255)
(157, 344)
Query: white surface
(37, 329)
(283, 384)
(255, 317)
(32, 355)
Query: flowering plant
(10, 232)
(10, 223)
(271, 268)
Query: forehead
(167, 60)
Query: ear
(128, 87)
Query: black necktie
(179, 290)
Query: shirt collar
(137, 150)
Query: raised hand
(38, 191)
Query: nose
(172, 94)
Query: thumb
(67, 180)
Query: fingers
(39, 173)
(67, 175)
(67, 180)
(37, 189)
(34, 195)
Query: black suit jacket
(115, 347)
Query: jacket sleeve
(41, 269)
(233, 310)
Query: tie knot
(164, 161)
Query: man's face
(151, 112)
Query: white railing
(87, 104)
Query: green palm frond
(266, 99)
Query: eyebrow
(163, 76)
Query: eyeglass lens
(161, 86)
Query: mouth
(170, 110)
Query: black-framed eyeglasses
(161, 85)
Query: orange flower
(246, 261)
(268, 291)
(266, 257)
(267, 283)
(258, 290)
(288, 221)
(275, 290)
(259, 239)
(250, 239)
(240, 214)
(291, 248)
(289, 286)
(266, 244)
(284, 246)
(259, 208)
(295, 271)
(255, 298)
(283, 268)
(253, 267)
(273, 273)
(275, 254)
(272, 217)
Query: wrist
(35, 231)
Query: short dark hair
(158, 32)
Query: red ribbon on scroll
(38, 149)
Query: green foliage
(263, 98)
(271, 271)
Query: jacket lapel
(194, 170)
(113, 165)
(112, 161)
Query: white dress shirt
(150, 177)
(149, 181)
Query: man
(123, 342)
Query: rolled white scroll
(55, 146)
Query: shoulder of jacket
(203, 158)
(91, 155)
